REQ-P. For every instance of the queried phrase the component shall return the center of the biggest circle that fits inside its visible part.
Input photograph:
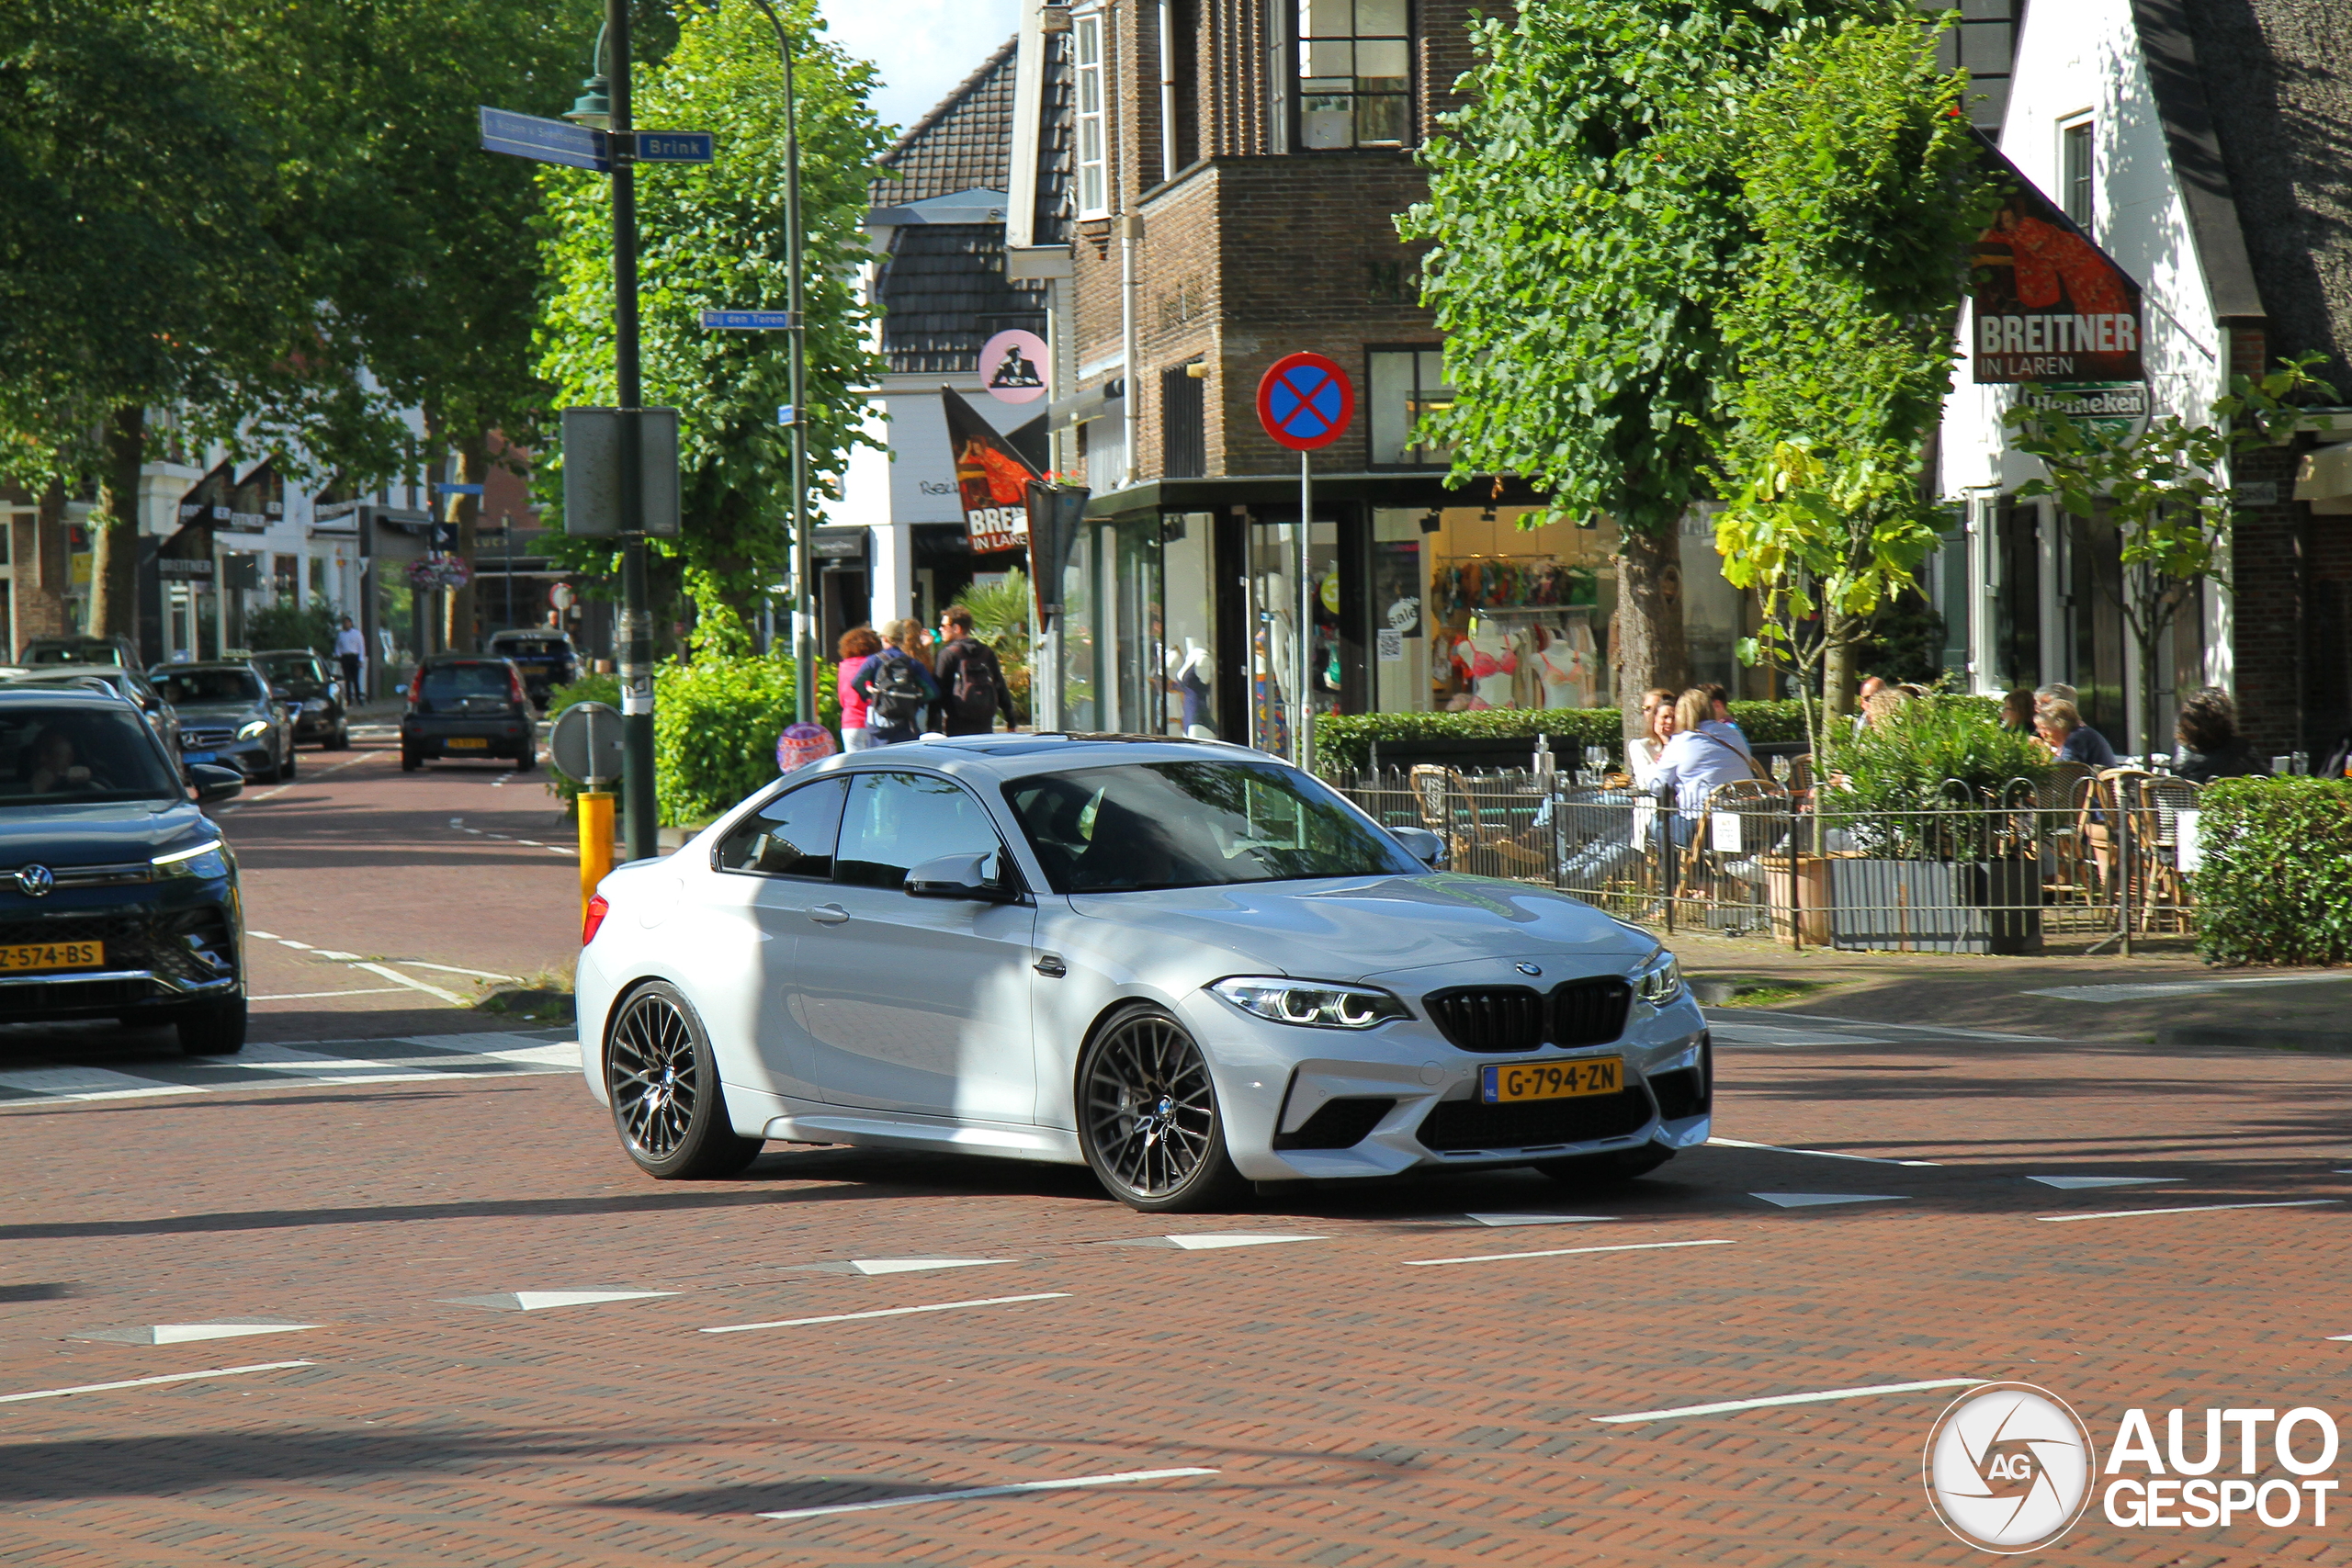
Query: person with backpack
(895, 687)
(971, 681)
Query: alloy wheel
(654, 1082)
(1150, 1110)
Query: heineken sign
(2117, 406)
(2049, 305)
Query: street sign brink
(674, 146)
(747, 321)
(1306, 402)
(547, 140)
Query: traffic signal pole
(637, 625)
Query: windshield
(52, 756)
(302, 675)
(1147, 825)
(463, 683)
(73, 653)
(531, 646)
(184, 687)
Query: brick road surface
(1354, 1408)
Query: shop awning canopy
(1421, 488)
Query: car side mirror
(970, 877)
(214, 784)
(1424, 846)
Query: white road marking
(1822, 1200)
(894, 1265)
(2152, 990)
(85, 1083)
(148, 1383)
(1503, 1221)
(265, 936)
(540, 1300)
(296, 946)
(888, 1312)
(1823, 1396)
(1212, 1241)
(1557, 1252)
(2078, 1183)
(453, 969)
(971, 1492)
(2187, 1208)
(1762, 1035)
(1903, 1028)
(331, 953)
(189, 1332)
(2339, 1337)
(1818, 1154)
(450, 996)
(314, 996)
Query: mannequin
(1185, 677)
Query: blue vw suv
(117, 895)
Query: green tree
(1586, 238)
(713, 237)
(1862, 179)
(2165, 491)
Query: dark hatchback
(117, 895)
(312, 695)
(545, 658)
(467, 708)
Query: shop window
(1354, 73)
(1093, 121)
(1406, 384)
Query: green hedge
(716, 722)
(1343, 742)
(2276, 885)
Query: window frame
(2078, 132)
(760, 805)
(1371, 395)
(1015, 879)
(1090, 27)
(1294, 62)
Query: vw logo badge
(35, 881)
(1529, 968)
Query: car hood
(1347, 929)
(223, 713)
(98, 833)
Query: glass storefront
(1509, 617)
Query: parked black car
(545, 658)
(118, 895)
(463, 705)
(45, 650)
(229, 716)
(313, 693)
(162, 717)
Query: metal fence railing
(2080, 861)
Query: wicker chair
(2059, 804)
(2156, 829)
(1759, 807)
(1450, 807)
(2101, 806)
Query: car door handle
(829, 914)
(1050, 966)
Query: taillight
(597, 909)
(416, 687)
(515, 682)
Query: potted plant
(1922, 811)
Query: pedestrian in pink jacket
(858, 644)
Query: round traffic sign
(585, 743)
(1306, 402)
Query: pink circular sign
(1013, 366)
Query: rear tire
(1148, 1120)
(293, 761)
(213, 1029)
(341, 739)
(668, 1104)
(528, 759)
(1604, 1170)
(410, 761)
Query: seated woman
(2210, 746)
(1659, 726)
(1695, 764)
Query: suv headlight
(1317, 1004)
(204, 862)
(251, 728)
(1660, 982)
(315, 705)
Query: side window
(898, 820)
(791, 836)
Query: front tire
(291, 764)
(213, 1029)
(1148, 1120)
(1604, 1170)
(410, 761)
(668, 1105)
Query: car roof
(25, 694)
(244, 664)
(286, 653)
(1009, 756)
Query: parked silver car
(1182, 963)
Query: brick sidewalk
(1354, 1409)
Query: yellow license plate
(469, 743)
(1551, 1080)
(20, 957)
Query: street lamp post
(804, 609)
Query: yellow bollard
(595, 843)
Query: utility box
(591, 470)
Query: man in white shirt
(352, 650)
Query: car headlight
(315, 705)
(1317, 1004)
(251, 728)
(1661, 982)
(203, 860)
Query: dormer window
(1093, 117)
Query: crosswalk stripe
(267, 1064)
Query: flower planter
(1918, 905)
